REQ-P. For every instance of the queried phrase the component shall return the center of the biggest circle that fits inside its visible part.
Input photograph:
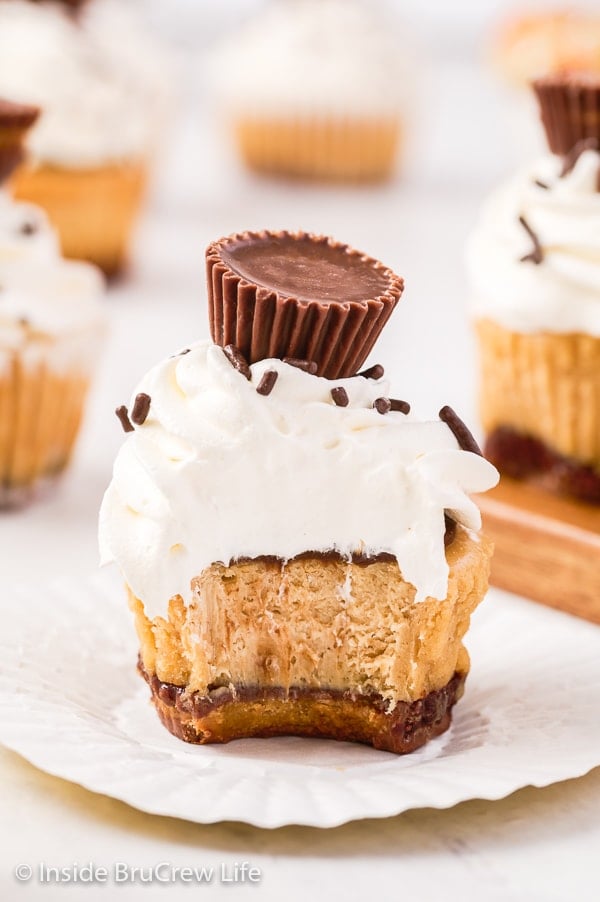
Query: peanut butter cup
(298, 295)
(15, 120)
(73, 5)
(569, 108)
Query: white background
(537, 845)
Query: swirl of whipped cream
(40, 292)
(96, 80)
(562, 293)
(219, 472)
(314, 56)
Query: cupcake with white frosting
(102, 92)
(534, 262)
(301, 553)
(316, 89)
(51, 328)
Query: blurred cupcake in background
(536, 44)
(316, 89)
(101, 85)
(534, 262)
(51, 330)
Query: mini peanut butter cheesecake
(51, 329)
(534, 262)
(337, 109)
(300, 550)
(103, 89)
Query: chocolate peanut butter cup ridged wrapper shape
(298, 295)
(569, 108)
(74, 4)
(15, 120)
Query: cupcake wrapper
(43, 387)
(321, 148)
(569, 109)
(543, 385)
(94, 210)
(263, 324)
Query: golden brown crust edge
(319, 713)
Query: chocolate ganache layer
(524, 457)
(228, 713)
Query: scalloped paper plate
(74, 706)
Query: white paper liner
(74, 706)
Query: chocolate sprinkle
(570, 160)
(340, 396)
(536, 255)
(141, 406)
(541, 184)
(309, 366)
(401, 406)
(268, 380)
(123, 417)
(373, 372)
(237, 360)
(382, 405)
(458, 429)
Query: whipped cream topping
(25, 233)
(96, 80)
(315, 56)
(562, 293)
(219, 472)
(40, 292)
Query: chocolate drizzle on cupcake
(141, 409)
(537, 254)
(459, 430)
(373, 372)
(267, 382)
(300, 296)
(385, 405)
(123, 418)
(307, 366)
(382, 405)
(339, 396)
(238, 361)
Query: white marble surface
(537, 845)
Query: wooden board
(547, 548)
